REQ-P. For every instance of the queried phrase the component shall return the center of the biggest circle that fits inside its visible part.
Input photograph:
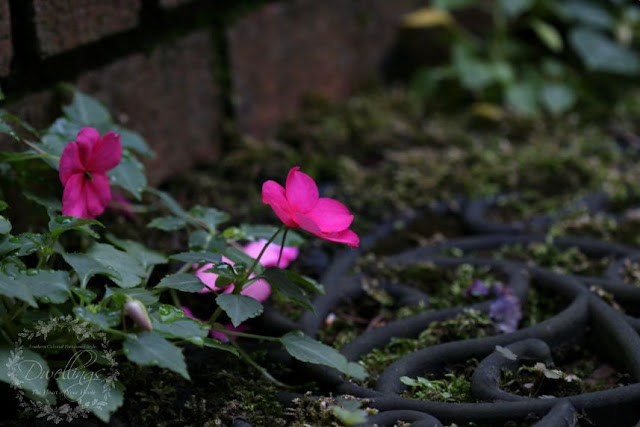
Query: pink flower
(299, 205)
(215, 334)
(83, 172)
(260, 289)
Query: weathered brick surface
(169, 4)
(63, 25)
(168, 96)
(6, 49)
(286, 49)
(39, 109)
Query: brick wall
(170, 69)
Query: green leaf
(200, 240)
(304, 281)
(5, 225)
(151, 349)
(14, 289)
(60, 224)
(599, 53)
(87, 296)
(102, 319)
(92, 391)
(282, 284)
(145, 256)
(176, 326)
(557, 98)
(182, 281)
(86, 110)
(210, 217)
(145, 296)
(474, 74)
(587, 13)
(239, 307)
(3, 205)
(19, 362)
(28, 243)
(87, 267)
(129, 174)
(46, 285)
(239, 257)
(307, 349)
(133, 141)
(7, 129)
(168, 223)
(131, 273)
(522, 98)
(169, 202)
(515, 8)
(548, 35)
(218, 345)
(200, 257)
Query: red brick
(6, 49)
(169, 97)
(286, 49)
(170, 4)
(63, 25)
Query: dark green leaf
(282, 284)
(60, 224)
(587, 13)
(91, 390)
(600, 53)
(86, 110)
(16, 362)
(168, 223)
(145, 256)
(306, 282)
(87, 267)
(197, 257)
(28, 243)
(183, 282)
(101, 319)
(14, 289)
(522, 98)
(183, 327)
(129, 174)
(239, 307)
(5, 225)
(557, 98)
(213, 343)
(151, 349)
(239, 257)
(133, 141)
(46, 285)
(515, 8)
(3, 205)
(548, 35)
(87, 296)
(130, 272)
(307, 349)
(210, 217)
(145, 296)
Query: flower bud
(138, 313)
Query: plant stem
(284, 239)
(255, 262)
(260, 369)
(244, 334)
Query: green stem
(260, 369)
(264, 248)
(284, 239)
(226, 331)
(174, 298)
(116, 332)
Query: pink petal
(270, 256)
(225, 338)
(346, 236)
(73, 201)
(208, 279)
(273, 194)
(330, 215)
(86, 139)
(97, 194)
(107, 153)
(259, 290)
(301, 190)
(189, 313)
(307, 223)
(70, 163)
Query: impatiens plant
(65, 276)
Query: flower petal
(70, 162)
(73, 200)
(208, 279)
(273, 194)
(107, 153)
(97, 194)
(346, 236)
(259, 290)
(86, 139)
(330, 215)
(271, 254)
(301, 190)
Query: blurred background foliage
(526, 56)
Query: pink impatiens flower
(299, 205)
(83, 172)
(260, 289)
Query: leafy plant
(535, 56)
(118, 297)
